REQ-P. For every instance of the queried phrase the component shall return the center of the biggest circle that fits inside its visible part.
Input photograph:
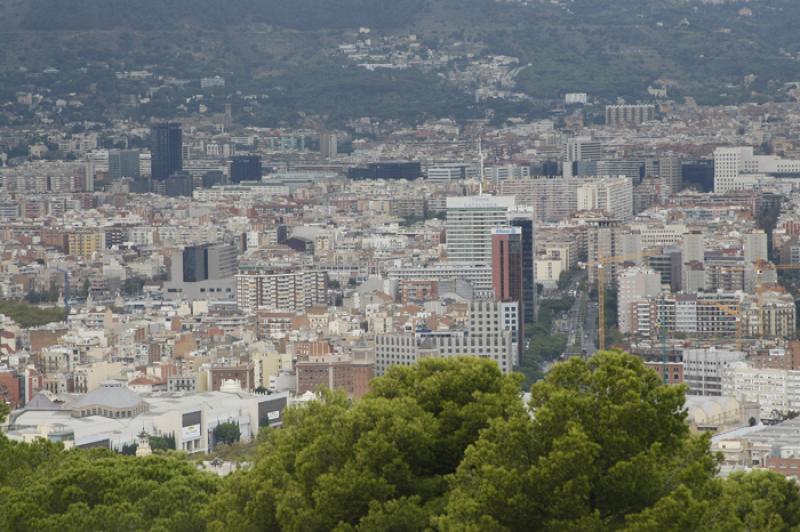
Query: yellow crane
(737, 311)
(599, 264)
(731, 311)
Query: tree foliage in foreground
(607, 440)
(44, 487)
(446, 445)
(381, 463)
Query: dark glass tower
(166, 150)
(245, 168)
(528, 271)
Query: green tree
(227, 433)
(29, 315)
(606, 440)
(377, 464)
(101, 490)
(760, 500)
(44, 487)
(84, 292)
(162, 443)
(133, 286)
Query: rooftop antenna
(480, 156)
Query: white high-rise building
(451, 172)
(614, 195)
(280, 289)
(728, 164)
(774, 390)
(328, 145)
(754, 246)
(734, 168)
(583, 149)
(634, 284)
(470, 220)
(693, 247)
(703, 369)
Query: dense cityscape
(221, 309)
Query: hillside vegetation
(74, 15)
(719, 54)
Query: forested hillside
(717, 53)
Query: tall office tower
(670, 171)
(205, 262)
(728, 164)
(507, 263)
(328, 145)
(507, 275)
(522, 218)
(166, 150)
(754, 246)
(470, 220)
(580, 149)
(227, 118)
(123, 163)
(603, 240)
(246, 168)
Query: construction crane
(599, 264)
(731, 311)
(737, 311)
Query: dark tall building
(206, 262)
(166, 150)
(179, 184)
(525, 224)
(507, 274)
(140, 185)
(246, 168)
(213, 178)
(195, 264)
(387, 170)
(507, 263)
(699, 174)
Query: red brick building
(334, 373)
(11, 388)
(674, 371)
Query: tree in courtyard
(227, 432)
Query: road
(590, 330)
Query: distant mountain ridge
(72, 15)
(718, 52)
